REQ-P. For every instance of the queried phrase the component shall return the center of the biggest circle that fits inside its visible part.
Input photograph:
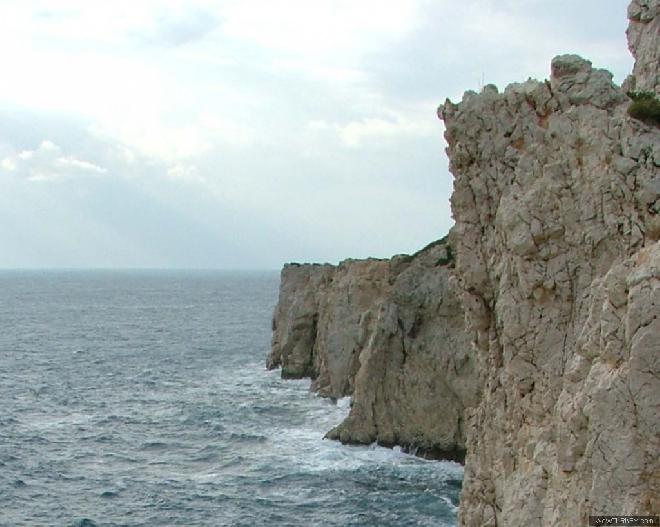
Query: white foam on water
(45, 421)
(453, 508)
(344, 404)
(296, 448)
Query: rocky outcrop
(389, 333)
(557, 272)
(323, 318)
(295, 321)
(416, 373)
(346, 319)
(556, 200)
(643, 36)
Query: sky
(242, 134)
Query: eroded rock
(557, 276)
(557, 254)
(417, 372)
(389, 333)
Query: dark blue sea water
(140, 398)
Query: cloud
(49, 163)
(185, 173)
(337, 75)
(169, 142)
(176, 28)
(373, 130)
(296, 111)
(320, 27)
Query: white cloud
(185, 173)
(374, 130)
(261, 105)
(168, 142)
(82, 58)
(49, 163)
(173, 21)
(179, 26)
(357, 132)
(8, 164)
(336, 74)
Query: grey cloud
(443, 58)
(134, 216)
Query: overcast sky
(247, 133)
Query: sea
(141, 398)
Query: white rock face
(643, 37)
(295, 322)
(557, 273)
(557, 207)
(323, 319)
(389, 332)
(416, 371)
(346, 320)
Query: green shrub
(449, 259)
(645, 107)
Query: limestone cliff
(295, 321)
(557, 272)
(389, 332)
(643, 36)
(323, 318)
(557, 201)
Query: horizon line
(201, 269)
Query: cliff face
(323, 318)
(557, 201)
(553, 383)
(295, 322)
(389, 332)
(643, 35)
(416, 371)
(346, 319)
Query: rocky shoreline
(528, 338)
(389, 333)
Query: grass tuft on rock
(645, 107)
